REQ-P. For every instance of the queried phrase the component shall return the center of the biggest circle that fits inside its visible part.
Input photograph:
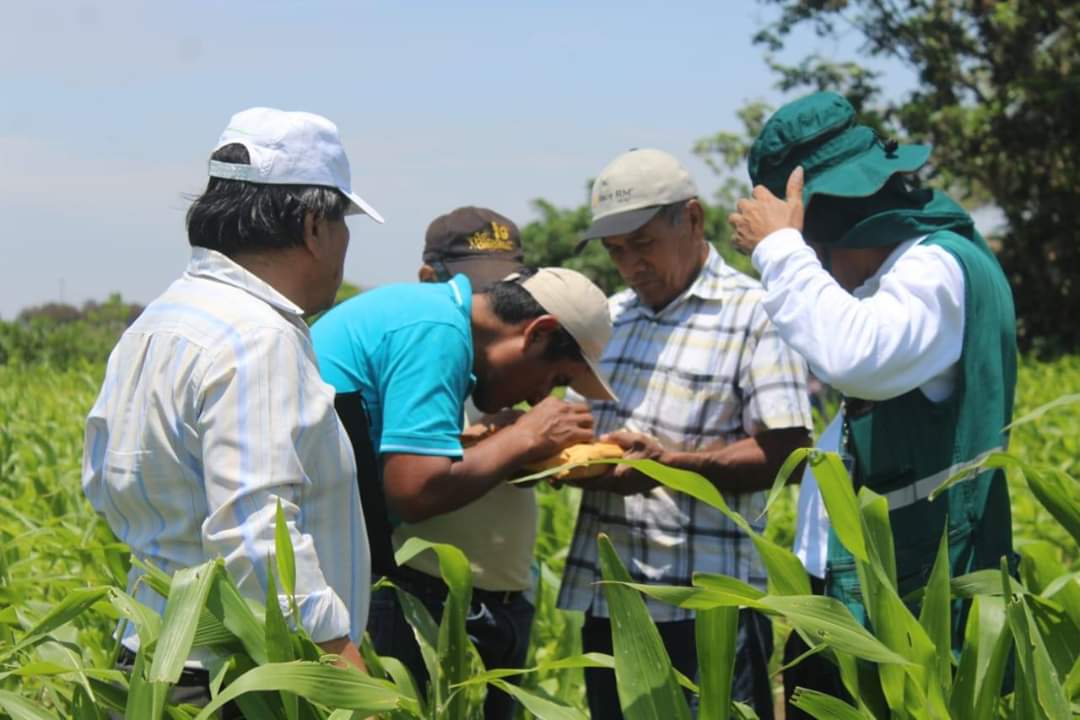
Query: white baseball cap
(289, 148)
(582, 310)
(632, 188)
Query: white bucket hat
(289, 148)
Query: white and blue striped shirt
(213, 410)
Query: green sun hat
(838, 156)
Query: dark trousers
(193, 688)
(813, 673)
(497, 623)
(750, 685)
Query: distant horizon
(115, 106)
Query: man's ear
(695, 215)
(538, 330)
(427, 274)
(313, 230)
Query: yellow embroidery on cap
(497, 239)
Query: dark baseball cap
(478, 242)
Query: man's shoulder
(208, 313)
(391, 307)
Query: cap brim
(593, 386)
(618, 224)
(867, 173)
(483, 272)
(360, 206)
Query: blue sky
(110, 109)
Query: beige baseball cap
(582, 310)
(632, 188)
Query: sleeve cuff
(322, 614)
(775, 246)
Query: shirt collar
(708, 285)
(212, 265)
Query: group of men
(394, 416)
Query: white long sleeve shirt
(213, 410)
(902, 329)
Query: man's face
(517, 370)
(336, 244)
(660, 259)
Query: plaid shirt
(709, 366)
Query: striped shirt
(212, 411)
(708, 367)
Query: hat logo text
(498, 238)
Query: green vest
(906, 446)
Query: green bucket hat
(838, 156)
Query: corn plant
(902, 665)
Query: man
(897, 302)
(212, 411)
(410, 355)
(703, 383)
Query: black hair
(235, 216)
(512, 304)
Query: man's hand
(552, 425)
(622, 479)
(759, 216)
(347, 652)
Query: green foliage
(63, 336)
(997, 87)
(57, 652)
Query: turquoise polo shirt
(408, 350)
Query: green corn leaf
(1035, 670)
(426, 633)
(715, 632)
(825, 707)
(539, 707)
(935, 615)
(840, 501)
(586, 660)
(1043, 409)
(983, 659)
(796, 458)
(644, 674)
(1059, 633)
(989, 460)
(894, 625)
(727, 585)
(110, 695)
(147, 622)
(19, 708)
(279, 647)
(71, 606)
(283, 554)
(324, 684)
(690, 597)
(826, 619)
(145, 699)
(187, 596)
(238, 615)
(453, 643)
(1059, 494)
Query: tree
(999, 84)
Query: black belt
(406, 577)
(189, 677)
